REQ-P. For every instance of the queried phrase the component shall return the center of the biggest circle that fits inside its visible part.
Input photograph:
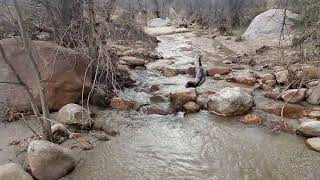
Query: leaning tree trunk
(45, 110)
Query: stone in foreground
(13, 171)
(231, 102)
(49, 161)
(314, 143)
(309, 128)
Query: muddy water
(196, 146)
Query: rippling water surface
(197, 146)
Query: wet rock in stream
(231, 102)
(179, 98)
(49, 161)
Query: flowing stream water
(195, 146)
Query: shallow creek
(195, 146)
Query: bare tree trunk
(45, 111)
(92, 32)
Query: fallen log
(200, 73)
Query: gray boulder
(269, 24)
(230, 102)
(13, 171)
(49, 161)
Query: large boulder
(73, 114)
(62, 71)
(314, 96)
(13, 171)
(230, 102)
(269, 24)
(49, 161)
(159, 22)
(309, 128)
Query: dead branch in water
(200, 73)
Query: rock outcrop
(62, 71)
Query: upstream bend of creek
(196, 146)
